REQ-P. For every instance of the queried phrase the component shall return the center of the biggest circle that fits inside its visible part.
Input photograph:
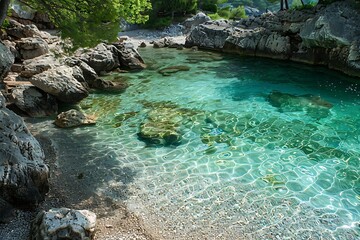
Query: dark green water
(262, 150)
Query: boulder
(64, 223)
(18, 31)
(23, 173)
(336, 25)
(73, 118)
(211, 35)
(60, 83)
(32, 47)
(33, 101)
(173, 69)
(196, 20)
(38, 65)
(129, 57)
(162, 127)
(7, 59)
(102, 58)
(6, 211)
(107, 85)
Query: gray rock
(102, 58)
(64, 223)
(33, 101)
(6, 211)
(336, 25)
(325, 35)
(129, 57)
(2, 101)
(7, 59)
(60, 83)
(32, 47)
(38, 65)
(211, 35)
(73, 118)
(18, 30)
(23, 173)
(196, 20)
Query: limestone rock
(211, 35)
(2, 101)
(60, 83)
(32, 47)
(73, 118)
(162, 127)
(38, 65)
(196, 20)
(129, 57)
(23, 173)
(101, 58)
(7, 59)
(336, 25)
(18, 31)
(33, 101)
(64, 223)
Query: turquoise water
(248, 148)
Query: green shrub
(224, 13)
(158, 22)
(214, 16)
(238, 13)
(210, 8)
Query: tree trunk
(286, 4)
(4, 5)
(281, 5)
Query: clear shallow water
(268, 150)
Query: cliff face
(325, 35)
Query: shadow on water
(86, 172)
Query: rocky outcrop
(32, 47)
(34, 102)
(73, 118)
(129, 57)
(322, 35)
(101, 58)
(210, 35)
(196, 20)
(104, 58)
(61, 83)
(23, 173)
(64, 223)
(7, 59)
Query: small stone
(109, 226)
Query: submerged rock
(33, 101)
(64, 223)
(314, 105)
(173, 69)
(162, 127)
(73, 118)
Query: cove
(203, 145)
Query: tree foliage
(170, 7)
(87, 22)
